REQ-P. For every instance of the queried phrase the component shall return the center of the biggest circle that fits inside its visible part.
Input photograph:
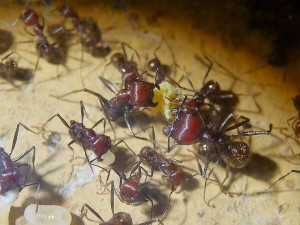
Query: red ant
(139, 94)
(132, 192)
(10, 71)
(86, 137)
(88, 31)
(11, 175)
(52, 54)
(119, 218)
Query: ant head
(296, 102)
(211, 87)
(147, 153)
(67, 11)
(117, 59)
(153, 64)
(237, 154)
(29, 17)
(123, 218)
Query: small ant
(131, 192)
(10, 71)
(11, 175)
(52, 54)
(119, 218)
(87, 137)
(89, 32)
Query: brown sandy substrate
(145, 31)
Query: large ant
(89, 32)
(52, 54)
(12, 176)
(139, 94)
(10, 71)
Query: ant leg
(251, 133)
(281, 178)
(126, 118)
(51, 118)
(69, 145)
(134, 51)
(226, 177)
(26, 153)
(126, 146)
(205, 184)
(210, 65)
(16, 135)
(245, 120)
(151, 201)
(108, 84)
(85, 205)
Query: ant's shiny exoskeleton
(139, 94)
(89, 32)
(45, 50)
(131, 191)
(86, 137)
(14, 175)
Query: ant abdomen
(121, 218)
(141, 94)
(101, 144)
(235, 154)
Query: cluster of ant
(202, 117)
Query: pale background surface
(244, 55)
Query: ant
(12, 176)
(10, 71)
(127, 68)
(89, 32)
(167, 167)
(139, 94)
(86, 137)
(119, 218)
(131, 192)
(52, 54)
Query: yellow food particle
(164, 97)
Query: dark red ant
(52, 54)
(87, 137)
(89, 32)
(131, 192)
(119, 218)
(10, 71)
(127, 68)
(139, 94)
(12, 176)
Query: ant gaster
(86, 137)
(12, 176)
